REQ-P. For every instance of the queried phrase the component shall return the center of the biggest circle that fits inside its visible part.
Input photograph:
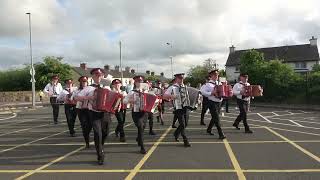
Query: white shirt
(55, 90)
(137, 101)
(207, 89)
(65, 92)
(237, 88)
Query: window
(300, 65)
(237, 68)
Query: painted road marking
(264, 118)
(234, 161)
(146, 157)
(295, 145)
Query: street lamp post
(32, 71)
(171, 59)
(121, 62)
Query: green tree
(15, 80)
(316, 68)
(51, 65)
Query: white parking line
(6, 118)
(275, 113)
(264, 118)
(296, 123)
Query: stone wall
(20, 96)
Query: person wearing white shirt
(205, 106)
(214, 102)
(149, 115)
(159, 92)
(116, 86)
(100, 120)
(82, 108)
(178, 93)
(242, 102)
(69, 105)
(135, 99)
(53, 89)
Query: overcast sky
(89, 30)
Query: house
(300, 57)
(127, 74)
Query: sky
(90, 30)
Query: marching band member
(53, 89)
(69, 105)
(135, 99)
(178, 94)
(214, 103)
(225, 101)
(175, 117)
(149, 115)
(159, 92)
(82, 109)
(242, 101)
(116, 86)
(100, 120)
(205, 102)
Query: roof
(294, 53)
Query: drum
(256, 90)
(106, 100)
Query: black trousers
(175, 118)
(243, 107)
(55, 108)
(121, 120)
(150, 119)
(86, 125)
(214, 108)
(138, 119)
(181, 115)
(100, 123)
(225, 102)
(71, 115)
(204, 108)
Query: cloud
(90, 31)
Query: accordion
(185, 97)
(145, 102)
(70, 101)
(106, 100)
(224, 91)
(253, 90)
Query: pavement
(285, 145)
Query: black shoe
(143, 151)
(227, 111)
(249, 131)
(186, 143)
(101, 159)
(56, 122)
(222, 137)
(122, 139)
(236, 126)
(116, 132)
(87, 145)
(73, 135)
(162, 123)
(152, 133)
(174, 126)
(158, 119)
(210, 132)
(176, 138)
(202, 123)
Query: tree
(51, 65)
(316, 68)
(15, 80)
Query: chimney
(313, 41)
(127, 69)
(162, 74)
(232, 49)
(152, 73)
(148, 72)
(133, 71)
(83, 66)
(117, 68)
